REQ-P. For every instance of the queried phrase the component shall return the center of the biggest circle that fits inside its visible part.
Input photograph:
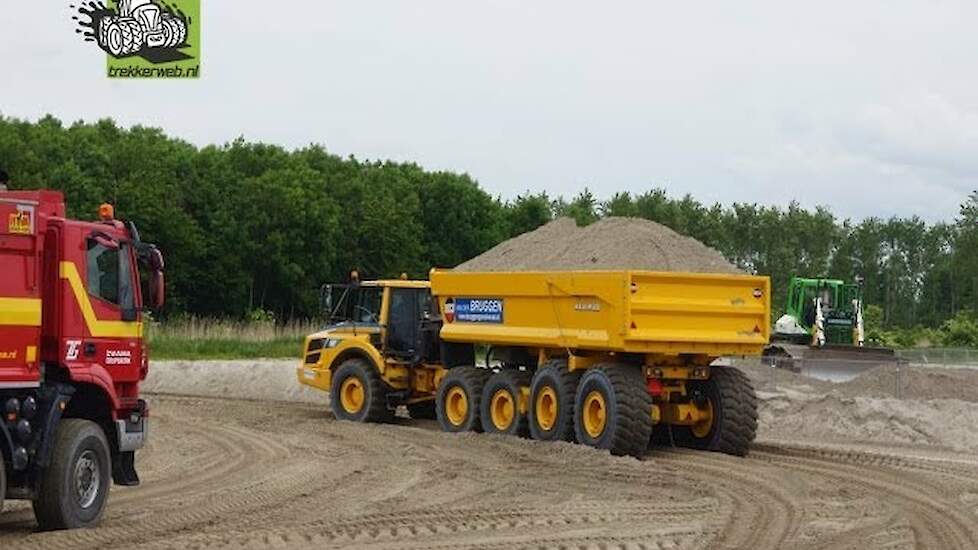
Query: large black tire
(500, 412)
(558, 425)
(363, 398)
(458, 399)
(75, 487)
(613, 409)
(731, 396)
(425, 410)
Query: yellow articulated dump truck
(603, 358)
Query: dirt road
(232, 473)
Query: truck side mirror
(157, 289)
(157, 286)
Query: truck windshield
(357, 305)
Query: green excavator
(822, 327)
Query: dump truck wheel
(502, 411)
(551, 406)
(357, 393)
(424, 410)
(729, 404)
(458, 399)
(612, 410)
(75, 486)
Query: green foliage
(250, 227)
(226, 348)
(960, 331)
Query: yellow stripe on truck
(97, 327)
(20, 312)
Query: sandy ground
(228, 472)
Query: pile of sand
(611, 243)
(916, 383)
(936, 407)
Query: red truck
(72, 355)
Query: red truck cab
(72, 355)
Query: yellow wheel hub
(352, 395)
(502, 409)
(546, 408)
(456, 405)
(594, 414)
(701, 428)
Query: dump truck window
(368, 306)
(103, 271)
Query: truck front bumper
(132, 432)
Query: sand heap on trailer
(611, 243)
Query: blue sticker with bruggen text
(479, 310)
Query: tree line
(249, 227)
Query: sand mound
(833, 417)
(611, 243)
(866, 409)
(263, 379)
(916, 383)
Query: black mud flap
(124, 469)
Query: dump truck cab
(72, 355)
(389, 325)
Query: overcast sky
(869, 107)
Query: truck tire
(500, 412)
(729, 395)
(174, 31)
(613, 410)
(458, 399)
(551, 407)
(358, 394)
(424, 410)
(123, 37)
(75, 487)
(102, 35)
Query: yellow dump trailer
(604, 358)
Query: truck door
(402, 326)
(107, 298)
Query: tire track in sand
(935, 523)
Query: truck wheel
(357, 393)
(731, 421)
(551, 404)
(458, 399)
(123, 37)
(501, 398)
(613, 410)
(174, 31)
(103, 30)
(424, 410)
(75, 486)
